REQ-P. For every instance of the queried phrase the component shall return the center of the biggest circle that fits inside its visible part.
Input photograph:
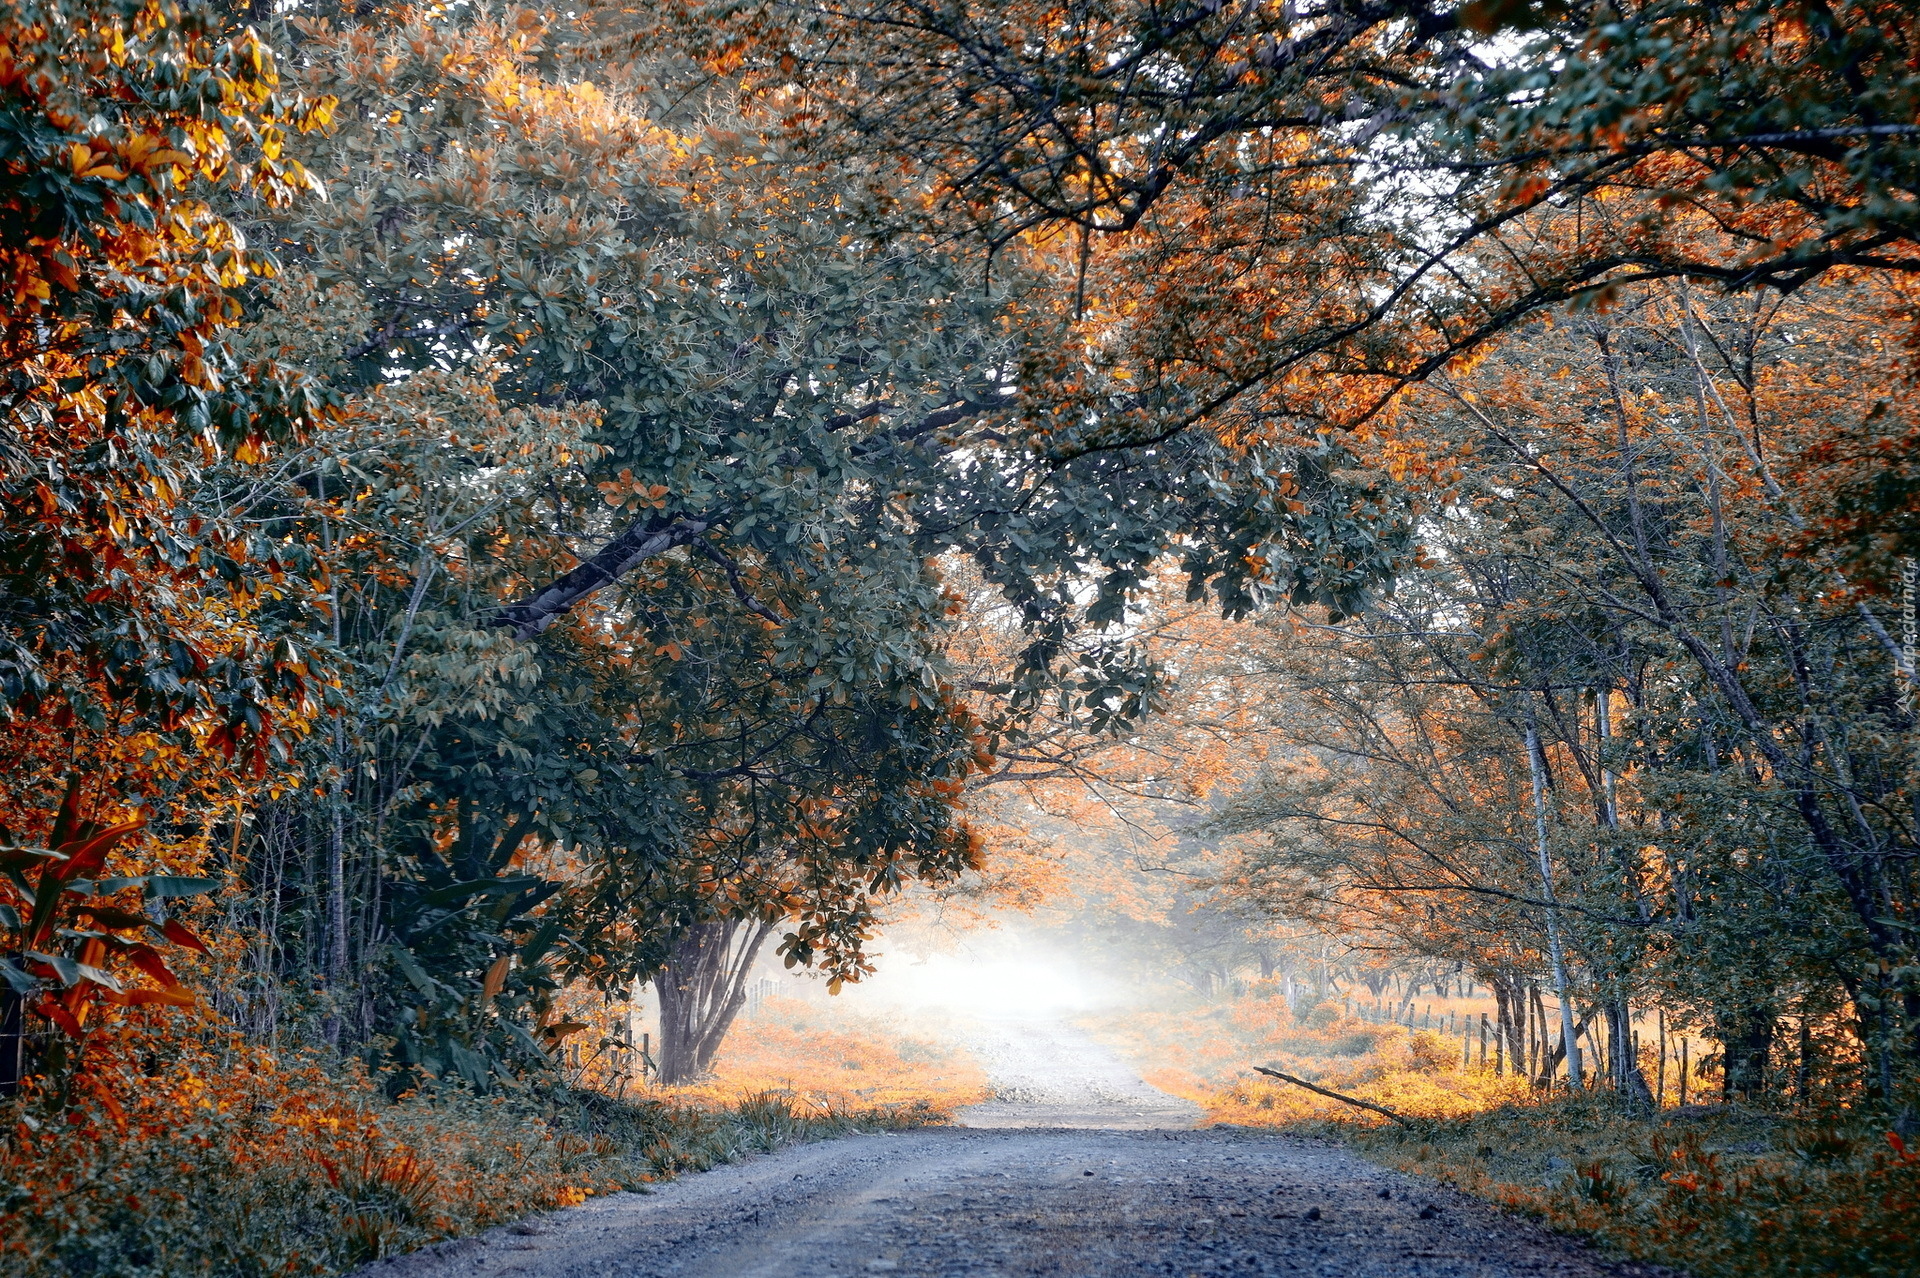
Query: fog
(993, 974)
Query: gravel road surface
(1104, 1177)
(1046, 1074)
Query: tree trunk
(1805, 1062)
(1552, 1054)
(1537, 762)
(1746, 1049)
(1510, 1008)
(702, 988)
(1660, 1092)
(336, 958)
(1502, 1034)
(1537, 1051)
(1628, 1079)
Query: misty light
(1018, 987)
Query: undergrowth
(207, 1156)
(1718, 1191)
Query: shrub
(1323, 1016)
(202, 1154)
(1724, 1193)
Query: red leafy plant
(77, 938)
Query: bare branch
(1333, 1095)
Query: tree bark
(1536, 761)
(1628, 1078)
(642, 540)
(1502, 1032)
(1510, 1009)
(702, 988)
(1537, 1048)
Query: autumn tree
(1622, 636)
(735, 735)
(142, 681)
(1372, 183)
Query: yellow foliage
(1206, 1054)
(848, 1065)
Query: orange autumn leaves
(138, 669)
(103, 196)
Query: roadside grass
(842, 1062)
(202, 1155)
(1204, 1052)
(1718, 1191)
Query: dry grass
(194, 1153)
(839, 1063)
(1206, 1052)
(1718, 1191)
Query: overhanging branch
(639, 543)
(658, 534)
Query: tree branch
(639, 543)
(740, 590)
(529, 616)
(1401, 1119)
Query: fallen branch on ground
(1345, 1100)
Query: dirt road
(1106, 1177)
(1046, 1074)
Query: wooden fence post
(12, 1041)
(1660, 1084)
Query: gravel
(1076, 1168)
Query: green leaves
(172, 887)
(412, 970)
